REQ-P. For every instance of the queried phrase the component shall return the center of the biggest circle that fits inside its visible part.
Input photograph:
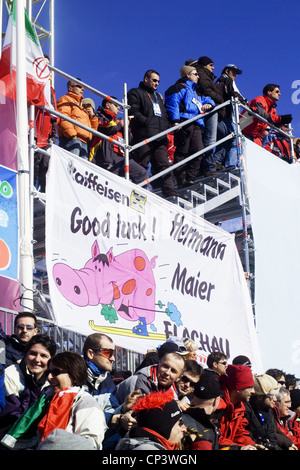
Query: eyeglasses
(186, 380)
(180, 422)
(195, 73)
(77, 86)
(155, 80)
(277, 91)
(56, 372)
(224, 363)
(28, 327)
(281, 382)
(105, 352)
(270, 396)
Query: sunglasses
(56, 372)
(155, 80)
(78, 86)
(105, 352)
(28, 327)
(195, 73)
(186, 380)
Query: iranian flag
(37, 71)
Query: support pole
(25, 225)
(126, 138)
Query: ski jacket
(183, 102)
(266, 108)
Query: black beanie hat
(205, 61)
(158, 411)
(208, 387)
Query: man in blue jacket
(183, 103)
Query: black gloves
(286, 119)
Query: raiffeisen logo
(296, 93)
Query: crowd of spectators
(66, 400)
(193, 98)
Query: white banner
(274, 194)
(125, 262)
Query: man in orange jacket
(72, 137)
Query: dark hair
(215, 356)
(148, 73)
(106, 100)
(269, 87)
(74, 364)
(192, 366)
(45, 341)
(71, 82)
(275, 373)
(93, 341)
(23, 315)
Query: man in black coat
(148, 118)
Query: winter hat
(241, 361)
(88, 101)
(205, 61)
(158, 411)
(207, 387)
(265, 385)
(173, 344)
(185, 69)
(238, 377)
(190, 62)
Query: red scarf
(167, 444)
(58, 413)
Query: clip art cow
(127, 280)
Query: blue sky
(109, 43)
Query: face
(103, 359)
(76, 89)
(37, 359)
(284, 405)
(209, 67)
(169, 369)
(114, 108)
(232, 74)
(25, 329)
(58, 378)
(193, 76)
(89, 109)
(270, 401)
(221, 366)
(281, 381)
(192, 355)
(177, 432)
(186, 384)
(246, 393)
(275, 94)
(152, 82)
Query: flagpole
(25, 239)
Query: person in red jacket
(238, 386)
(264, 106)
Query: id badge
(156, 109)
(198, 104)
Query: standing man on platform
(149, 117)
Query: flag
(37, 71)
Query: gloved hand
(286, 119)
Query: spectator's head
(75, 88)
(67, 369)
(206, 62)
(110, 105)
(278, 374)
(191, 62)
(173, 344)
(189, 73)
(240, 383)
(231, 71)
(39, 350)
(217, 361)
(272, 91)
(89, 105)
(242, 361)
(151, 79)
(207, 393)
(159, 412)
(169, 369)
(192, 348)
(25, 326)
(291, 382)
(99, 349)
(283, 402)
(266, 389)
(191, 375)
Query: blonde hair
(190, 344)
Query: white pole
(25, 241)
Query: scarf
(58, 412)
(167, 444)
